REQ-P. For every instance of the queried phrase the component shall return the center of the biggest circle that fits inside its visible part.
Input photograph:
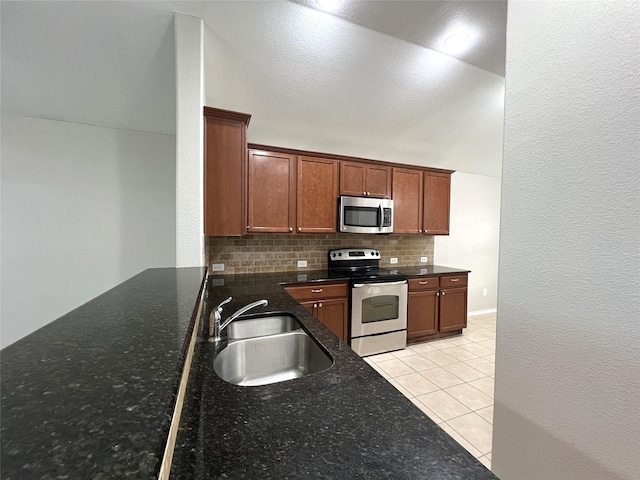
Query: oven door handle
(377, 284)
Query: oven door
(378, 307)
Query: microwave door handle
(380, 216)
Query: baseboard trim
(482, 312)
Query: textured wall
(472, 242)
(189, 141)
(567, 398)
(277, 253)
(83, 209)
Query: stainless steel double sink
(269, 348)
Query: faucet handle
(224, 302)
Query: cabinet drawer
(318, 291)
(453, 281)
(427, 283)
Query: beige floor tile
(427, 411)
(400, 388)
(441, 343)
(459, 353)
(382, 357)
(486, 413)
(490, 344)
(491, 358)
(461, 440)
(459, 340)
(395, 367)
(439, 358)
(407, 352)
(477, 349)
(416, 384)
(475, 429)
(418, 362)
(485, 385)
(379, 370)
(464, 371)
(485, 461)
(443, 405)
(441, 377)
(422, 348)
(476, 337)
(469, 396)
(481, 364)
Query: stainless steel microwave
(365, 215)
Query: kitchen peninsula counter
(91, 394)
(344, 422)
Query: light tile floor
(451, 380)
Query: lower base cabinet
(329, 303)
(436, 305)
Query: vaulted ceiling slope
(429, 22)
(311, 80)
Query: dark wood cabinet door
(437, 191)
(407, 201)
(272, 187)
(225, 155)
(311, 306)
(453, 309)
(317, 193)
(352, 178)
(334, 314)
(378, 181)
(422, 314)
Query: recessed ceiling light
(456, 43)
(328, 4)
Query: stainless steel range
(378, 301)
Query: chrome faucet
(216, 328)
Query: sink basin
(260, 326)
(270, 359)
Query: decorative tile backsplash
(277, 253)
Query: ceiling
(429, 22)
(112, 64)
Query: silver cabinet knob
(420, 231)
(299, 229)
(315, 305)
(320, 305)
(442, 292)
(291, 229)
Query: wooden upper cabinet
(272, 189)
(437, 188)
(363, 180)
(317, 194)
(407, 201)
(225, 159)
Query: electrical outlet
(484, 292)
(217, 267)
(393, 260)
(424, 259)
(302, 263)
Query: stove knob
(339, 254)
(372, 253)
(377, 253)
(333, 254)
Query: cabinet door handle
(248, 227)
(420, 231)
(299, 229)
(291, 229)
(315, 305)
(442, 292)
(316, 291)
(455, 279)
(438, 294)
(320, 305)
(423, 283)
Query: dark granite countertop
(344, 422)
(91, 394)
(430, 270)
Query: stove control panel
(353, 254)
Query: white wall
(83, 208)
(189, 141)
(567, 397)
(472, 242)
